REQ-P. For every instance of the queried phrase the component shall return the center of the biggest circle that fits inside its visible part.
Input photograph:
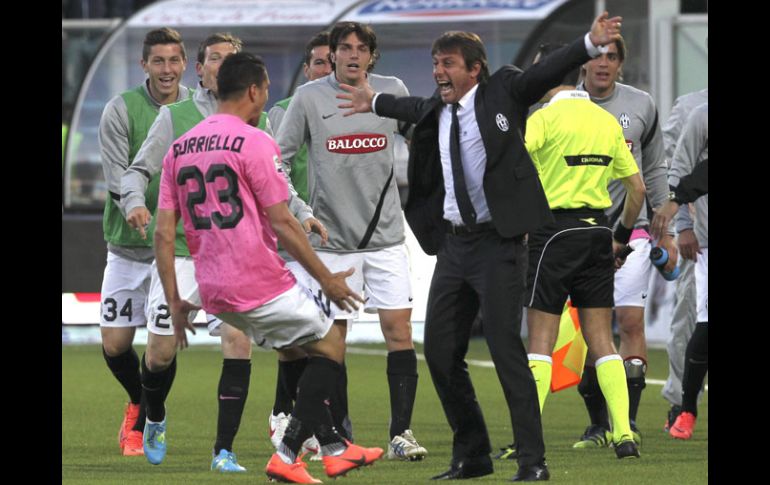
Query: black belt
(461, 230)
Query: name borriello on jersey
(208, 144)
(357, 143)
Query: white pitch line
(477, 363)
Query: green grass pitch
(93, 401)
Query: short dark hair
(237, 73)
(364, 33)
(620, 43)
(218, 38)
(470, 47)
(321, 38)
(160, 36)
(546, 49)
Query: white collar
(465, 100)
(570, 94)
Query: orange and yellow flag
(569, 353)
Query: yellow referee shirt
(577, 148)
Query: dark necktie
(461, 191)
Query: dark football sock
(156, 389)
(233, 391)
(593, 398)
(402, 380)
(636, 369)
(696, 364)
(170, 376)
(338, 405)
(125, 368)
(289, 373)
(140, 420)
(310, 409)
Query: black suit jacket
(514, 194)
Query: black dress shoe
(464, 469)
(532, 473)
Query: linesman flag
(569, 353)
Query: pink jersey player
(222, 199)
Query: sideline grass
(92, 405)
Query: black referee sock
(125, 368)
(289, 373)
(233, 391)
(402, 380)
(593, 398)
(696, 364)
(156, 386)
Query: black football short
(571, 257)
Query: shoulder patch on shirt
(277, 162)
(502, 122)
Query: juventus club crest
(502, 122)
(625, 120)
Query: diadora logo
(358, 143)
(625, 120)
(502, 122)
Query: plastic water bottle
(659, 258)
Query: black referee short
(571, 257)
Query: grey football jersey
(693, 148)
(683, 105)
(351, 181)
(636, 112)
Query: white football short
(381, 277)
(124, 292)
(158, 314)
(702, 285)
(633, 278)
(303, 277)
(294, 317)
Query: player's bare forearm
(293, 239)
(662, 218)
(165, 233)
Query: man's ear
(475, 70)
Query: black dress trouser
(483, 270)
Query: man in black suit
(473, 195)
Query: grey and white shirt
(691, 150)
(149, 159)
(114, 146)
(351, 181)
